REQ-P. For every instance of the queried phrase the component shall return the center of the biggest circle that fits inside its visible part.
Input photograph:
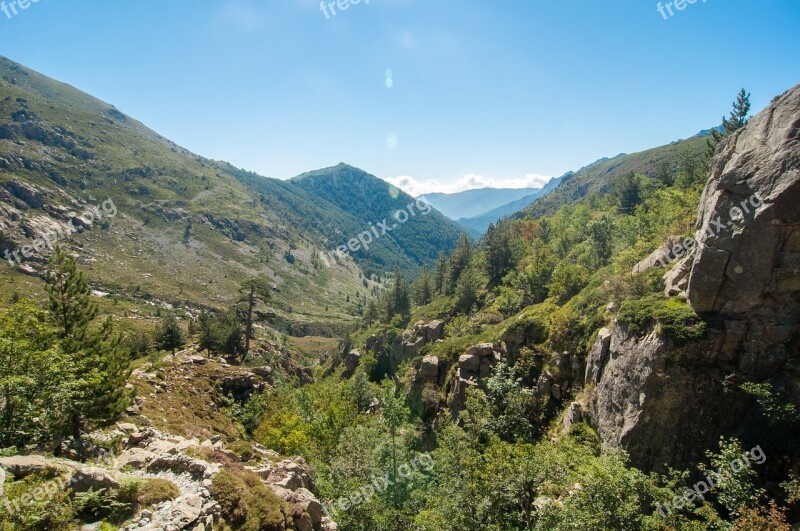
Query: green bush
(155, 491)
(676, 319)
(35, 503)
(247, 503)
(110, 504)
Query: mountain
(413, 234)
(473, 203)
(187, 230)
(600, 174)
(478, 225)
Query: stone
(429, 368)
(136, 458)
(544, 384)
(186, 511)
(352, 360)
(555, 392)
(433, 331)
(573, 416)
(21, 466)
(598, 356)
(667, 403)
(483, 350)
(128, 428)
(91, 478)
(469, 362)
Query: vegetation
(739, 117)
(61, 373)
(247, 503)
(675, 319)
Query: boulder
(483, 350)
(136, 458)
(21, 466)
(352, 360)
(186, 511)
(429, 368)
(665, 402)
(573, 416)
(241, 385)
(458, 398)
(91, 478)
(469, 363)
(433, 331)
(412, 346)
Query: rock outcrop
(667, 403)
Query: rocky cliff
(666, 402)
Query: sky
(432, 95)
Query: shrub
(108, 504)
(676, 319)
(247, 503)
(35, 503)
(155, 491)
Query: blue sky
(482, 92)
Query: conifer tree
(169, 335)
(460, 258)
(422, 288)
(253, 291)
(738, 118)
(93, 387)
(498, 252)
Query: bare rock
(429, 368)
(23, 466)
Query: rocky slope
(665, 402)
(176, 431)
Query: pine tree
(498, 252)
(93, 390)
(399, 301)
(466, 291)
(738, 118)
(628, 191)
(460, 258)
(169, 335)
(206, 326)
(253, 291)
(441, 275)
(371, 313)
(422, 289)
(69, 293)
(394, 413)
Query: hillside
(188, 230)
(474, 203)
(582, 370)
(478, 225)
(597, 176)
(407, 244)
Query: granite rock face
(667, 403)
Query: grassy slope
(158, 188)
(597, 176)
(369, 199)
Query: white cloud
(469, 182)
